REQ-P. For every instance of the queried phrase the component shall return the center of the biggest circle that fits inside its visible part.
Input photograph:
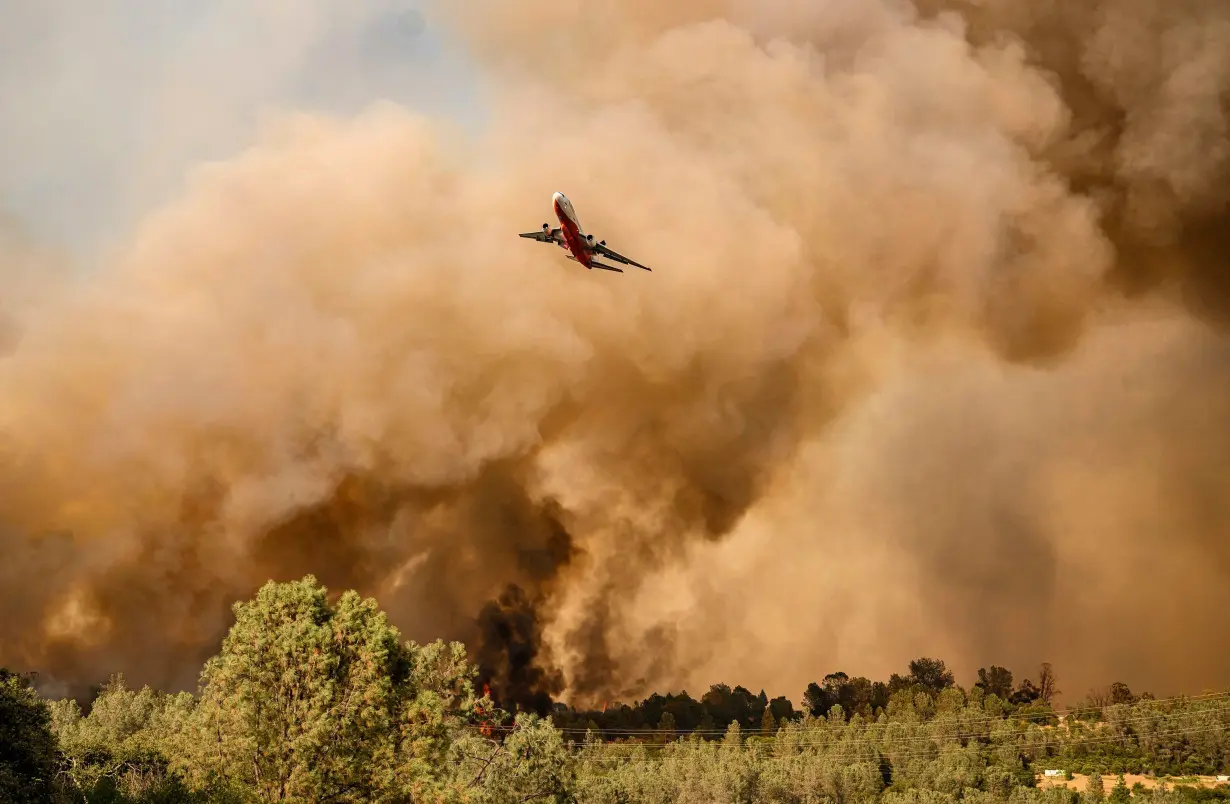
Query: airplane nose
(558, 198)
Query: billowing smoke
(931, 361)
(509, 643)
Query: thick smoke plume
(932, 361)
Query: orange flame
(485, 728)
(604, 703)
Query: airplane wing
(543, 235)
(597, 264)
(602, 249)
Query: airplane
(572, 238)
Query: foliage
(532, 763)
(27, 746)
(316, 701)
(117, 751)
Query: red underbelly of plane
(573, 238)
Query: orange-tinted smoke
(887, 392)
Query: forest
(314, 697)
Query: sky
(95, 130)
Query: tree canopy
(310, 700)
(27, 745)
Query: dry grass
(1080, 781)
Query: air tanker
(580, 247)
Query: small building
(1052, 773)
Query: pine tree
(667, 727)
(1120, 793)
(768, 726)
(1093, 786)
(311, 700)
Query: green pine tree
(1120, 793)
(768, 726)
(1094, 786)
(315, 701)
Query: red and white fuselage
(574, 236)
(573, 239)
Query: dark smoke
(508, 655)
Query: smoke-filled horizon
(932, 361)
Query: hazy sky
(95, 125)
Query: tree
(531, 764)
(718, 702)
(440, 708)
(122, 746)
(309, 701)
(1025, 694)
(27, 746)
(1094, 787)
(1047, 688)
(997, 681)
(860, 696)
(931, 675)
(817, 700)
(1120, 793)
(837, 692)
(667, 727)
(782, 708)
(1119, 693)
(854, 695)
(768, 725)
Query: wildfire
(485, 728)
(604, 705)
